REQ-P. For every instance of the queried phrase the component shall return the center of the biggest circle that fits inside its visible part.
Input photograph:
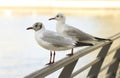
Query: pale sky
(73, 3)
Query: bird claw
(69, 54)
(49, 63)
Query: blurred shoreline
(51, 10)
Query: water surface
(21, 55)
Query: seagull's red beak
(52, 18)
(29, 28)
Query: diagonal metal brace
(94, 71)
(67, 71)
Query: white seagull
(53, 41)
(72, 32)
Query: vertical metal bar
(111, 73)
(94, 71)
(67, 71)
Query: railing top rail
(116, 36)
(67, 60)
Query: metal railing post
(94, 71)
(68, 63)
(67, 71)
(111, 73)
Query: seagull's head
(58, 17)
(37, 26)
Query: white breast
(42, 43)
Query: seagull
(53, 41)
(72, 32)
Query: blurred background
(19, 52)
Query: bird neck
(41, 30)
(39, 34)
(60, 22)
(60, 26)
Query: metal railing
(68, 63)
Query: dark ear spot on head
(61, 16)
(40, 25)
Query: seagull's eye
(36, 25)
(57, 16)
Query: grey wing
(77, 34)
(57, 40)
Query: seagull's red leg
(70, 53)
(53, 57)
(50, 58)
